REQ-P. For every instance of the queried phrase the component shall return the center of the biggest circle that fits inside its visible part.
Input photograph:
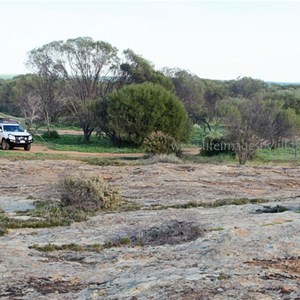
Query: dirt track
(45, 150)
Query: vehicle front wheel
(4, 145)
(27, 147)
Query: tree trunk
(86, 135)
(243, 157)
(47, 124)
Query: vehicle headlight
(11, 137)
(30, 138)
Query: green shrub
(52, 134)
(88, 193)
(215, 144)
(159, 142)
(129, 115)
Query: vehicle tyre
(4, 145)
(27, 147)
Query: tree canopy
(252, 124)
(88, 83)
(88, 69)
(137, 69)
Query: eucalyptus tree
(289, 95)
(8, 103)
(43, 87)
(28, 97)
(246, 87)
(136, 69)
(190, 89)
(88, 70)
(5, 95)
(215, 91)
(252, 124)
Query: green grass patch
(216, 160)
(288, 154)
(24, 155)
(283, 155)
(100, 161)
(61, 126)
(216, 229)
(67, 247)
(238, 201)
(124, 241)
(279, 155)
(69, 142)
(215, 204)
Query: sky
(213, 39)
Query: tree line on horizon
(88, 83)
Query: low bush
(172, 233)
(272, 209)
(159, 142)
(51, 135)
(88, 193)
(81, 197)
(215, 144)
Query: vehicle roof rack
(8, 121)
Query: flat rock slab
(157, 184)
(242, 254)
(12, 204)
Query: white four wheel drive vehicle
(12, 134)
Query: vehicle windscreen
(15, 128)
